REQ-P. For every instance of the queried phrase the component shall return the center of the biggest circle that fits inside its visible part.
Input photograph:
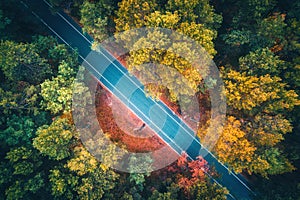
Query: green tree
(143, 164)
(82, 177)
(57, 93)
(55, 140)
(55, 53)
(24, 160)
(252, 11)
(3, 21)
(19, 130)
(96, 20)
(262, 62)
(21, 62)
(236, 38)
(207, 191)
(22, 189)
(33, 62)
(23, 166)
(62, 184)
(170, 194)
(25, 101)
(198, 11)
(273, 29)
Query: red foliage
(189, 172)
(184, 183)
(182, 160)
(108, 124)
(198, 168)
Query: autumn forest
(255, 47)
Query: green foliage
(21, 176)
(96, 20)
(294, 34)
(143, 164)
(19, 130)
(21, 62)
(268, 130)
(237, 37)
(261, 62)
(35, 183)
(6, 172)
(170, 194)
(277, 162)
(31, 62)
(259, 46)
(54, 52)
(252, 11)
(198, 11)
(202, 190)
(19, 156)
(57, 93)
(55, 140)
(260, 8)
(25, 102)
(293, 73)
(23, 189)
(15, 191)
(252, 25)
(3, 21)
(127, 196)
(62, 184)
(272, 29)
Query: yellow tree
(248, 92)
(163, 49)
(233, 147)
(55, 140)
(132, 13)
(257, 102)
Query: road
(114, 76)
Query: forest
(255, 45)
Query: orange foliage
(189, 172)
(68, 116)
(108, 124)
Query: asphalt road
(178, 135)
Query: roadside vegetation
(255, 45)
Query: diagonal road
(110, 72)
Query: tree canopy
(255, 45)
